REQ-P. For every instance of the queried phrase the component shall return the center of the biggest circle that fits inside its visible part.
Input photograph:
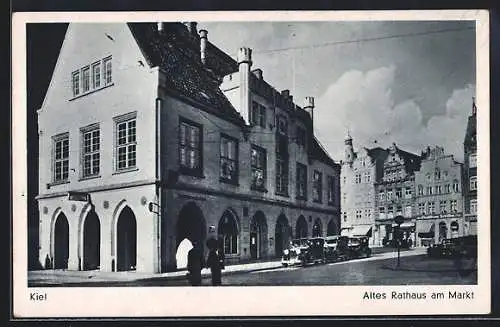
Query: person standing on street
(195, 264)
(214, 263)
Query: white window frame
(473, 183)
(473, 160)
(473, 206)
(93, 153)
(126, 119)
(75, 83)
(107, 64)
(63, 160)
(96, 71)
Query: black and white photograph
(267, 155)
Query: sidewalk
(61, 277)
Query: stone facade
(470, 174)
(145, 146)
(439, 207)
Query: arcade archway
(126, 227)
(331, 228)
(91, 242)
(301, 228)
(317, 228)
(61, 242)
(191, 226)
(258, 236)
(281, 235)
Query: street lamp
(399, 220)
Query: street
(379, 269)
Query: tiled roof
(177, 53)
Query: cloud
(363, 103)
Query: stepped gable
(178, 55)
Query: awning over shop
(362, 231)
(344, 231)
(425, 229)
(405, 225)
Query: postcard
(208, 164)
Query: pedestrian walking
(195, 263)
(215, 265)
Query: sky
(410, 82)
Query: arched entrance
(61, 242)
(301, 228)
(281, 235)
(331, 228)
(91, 242)
(317, 228)
(228, 233)
(191, 226)
(258, 236)
(443, 230)
(126, 250)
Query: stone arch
(126, 240)
(258, 236)
(228, 232)
(89, 238)
(442, 230)
(116, 213)
(301, 228)
(332, 228)
(60, 243)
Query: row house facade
(438, 203)
(152, 139)
(396, 194)
(360, 172)
(470, 172)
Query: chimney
(244, 64)
(285, 93)
(203, 46)
(258, 73)
(192, 28)
(309, 107)
(160, 26)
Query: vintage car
(336, 248)
(358, 247)
(465, 246)
(315, 252)
(292, 255)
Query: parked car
(315, 253)
(292, 255)
(464, 246)
(358, 247)
(336, 248)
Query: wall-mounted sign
(79, 196)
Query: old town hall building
(149, 135)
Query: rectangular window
(473, 183)
(331, 190)
(381, 195)
(190, 141)
(85, 79)
(301, 136)
(282, 156)
(421, 208)
(442, 206)
(399, 193)
(473, 206)
(91, 152)
(96, 75)
(258, 114)
(61, 158)
(447, 188)
(228, 159)
(432, 209)
(408, 193)
(281, 176)
(259, 167)
(108, 71)
(389, 195)
(367, 177)
(438, 189)
(381, 212)
(390, 212)
(301, 180)
(344, 179)
(456, 187)
(359, 214)
(420, 190)
(126, 144)
(399, 210)
(357, 178)
(453, 206)
(473, 160)
(429, 190)
(75, 77)
(317, 186)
